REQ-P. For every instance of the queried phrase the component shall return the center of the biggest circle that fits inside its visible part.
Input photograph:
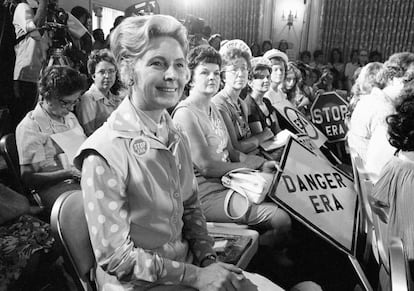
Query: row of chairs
(391, 259)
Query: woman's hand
(270, 167)
(267, 134)
(75, 173)
(219, 276)
(253, 161)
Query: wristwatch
(208, 260)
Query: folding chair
(399, 270)
(8, 150)
(69, 227)
(370, 221)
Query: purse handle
(229, 194)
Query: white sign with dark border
(300, 123)
(319, 195)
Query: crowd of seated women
(136, 165)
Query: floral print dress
(19, 240)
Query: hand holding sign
(270, 167)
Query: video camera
(56, 22)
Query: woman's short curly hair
(401, 124)
(98, 56)
(202, 54)
(60, 81)
(367, 79)
(395, 67)
(233, 53)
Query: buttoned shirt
(144, 218)
(94, 108)
(33, 140)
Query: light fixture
(290, 18)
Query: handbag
(252, 184)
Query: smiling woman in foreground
(145, 222)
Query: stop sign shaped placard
(328, 114)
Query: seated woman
(43, 163)
(145, 223)
(236, 64)
(393, 198)
(261, 112)
(213, 154)
(291, 88)
(98, 102)
(364, 85)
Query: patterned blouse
(144, 218)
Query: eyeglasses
(110, 72)
(234, 70)
(67, 104)
(261, 76)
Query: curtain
(233, 19)
(382, 25)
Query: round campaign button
(268, 121)
(140, 146)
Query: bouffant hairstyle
(233, 53)
(395, 67)
(98, 56)
(367, 79)
(131, 39)
(202, 54)
(401, 124)
(59, 81)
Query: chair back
(8, 150)
(5, 123)
(371, 222)
(399, 269)
(69, 227)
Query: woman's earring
(131, 82)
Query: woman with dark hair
(291, 87)
(85, 42)
(42, 161)
(305, 57)
(255, 48)
(393, 198)
(98, 102)
(337, 66)
(350, 68)
(266, 45)
(261, 112)
(215, 41)
(213, 154)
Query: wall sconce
(290, 18)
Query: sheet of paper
(277, 141)
(69, 141)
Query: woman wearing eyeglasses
(43, 163)
(236, 63)
(98, 102)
